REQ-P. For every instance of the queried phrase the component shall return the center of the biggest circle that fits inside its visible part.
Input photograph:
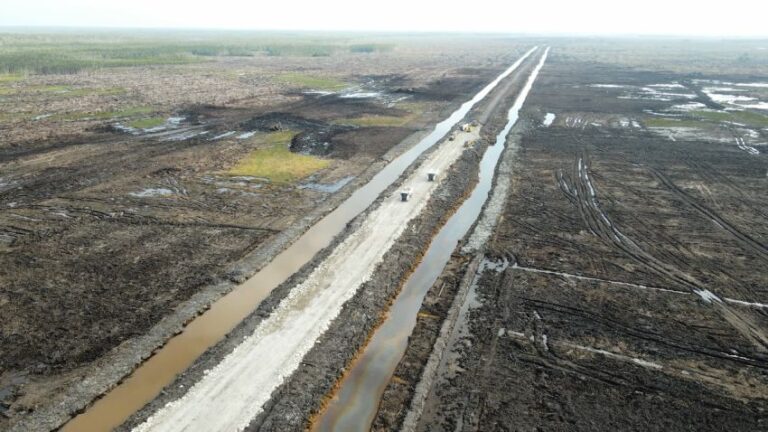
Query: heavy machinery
(405, 194)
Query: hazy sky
(676, 17)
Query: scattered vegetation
(107, 115)
(69, 60)
(369, 48)
(146, 123)
(275, 161)
(71, 52)
(65, 91)
(12, 116)
(48, 89)
(10, 78)
(701, 117)
(376, 120)
(746, 117)
(413, 107)
(300, 50)
(312, 81)
(668, 122)
(690, 56)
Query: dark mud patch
(101, 300)
(277, 121)
(24, 149)
(346, 142)
(453, 85)
(318, 141)
(552, 352)
(331, 107)
(557, 387)
(319, 138)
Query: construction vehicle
(405, 194)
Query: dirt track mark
(745, 239)
(619, 327)
(585, 195)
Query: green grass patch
(147, 123)
(34, 89)
(128, 112)
(10, 78)
(311, 81)
(275, 161)
(413, 107)
(6, 117)
(316, 49)
(701, 118)
(46, 89)
(106, 91)
(747, 117)
(63, 52)
(107, 115)
(376, 120)
(69, 60)
(668, 122)
(64, 91)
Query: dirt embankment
(192, 254)
(303, 393)
(341, 343)
(439, 303)
(305, 390)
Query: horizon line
(66, 27)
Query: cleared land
(128, 190)
(623, 286)
(617, 281)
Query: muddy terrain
(614, 281)
(113, 218)
(623, 284)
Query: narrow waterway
(146, 382)
(354, 405)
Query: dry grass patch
(275, 161)
(377, 120)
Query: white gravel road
(233, 393)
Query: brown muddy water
(355, 403)
(146, 382)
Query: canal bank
(355, 402)
(357, 199)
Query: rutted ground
(622, 287)
(390, 209)
(123, 226)
(224, 400)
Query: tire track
(745, 239)
(602, 226)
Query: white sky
(667, 17)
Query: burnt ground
(631, 258)
(91, 255)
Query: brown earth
(600, 321)
(92, 255)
